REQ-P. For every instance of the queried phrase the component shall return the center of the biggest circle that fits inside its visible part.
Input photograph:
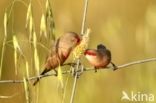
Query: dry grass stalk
(50, 24)
(5, 23)
(78, 51)
(43, 30)
(26, 90)
(29, 20)
(36, 57)
(16, 49)
(60, 76)
(4, 41)
(27, 69)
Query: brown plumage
(99, 57)
(60, 51)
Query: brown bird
(99, 58)
(60, 52)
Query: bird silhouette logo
(125, 96)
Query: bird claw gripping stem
(79, 71)
(114, 66)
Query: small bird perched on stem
(60, 52)
(99, 57)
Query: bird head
(101, 46)
(70, 40)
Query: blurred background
(126, 27)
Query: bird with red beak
(60, 52)
(100, 57)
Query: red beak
(90, 52)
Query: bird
(100, 57)
(60, 51)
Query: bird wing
(59, 52)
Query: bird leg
(56, 73)
(79, 70)
(95, 69)
(114, 66)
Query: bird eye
(73, 40)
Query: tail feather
(37, 80)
